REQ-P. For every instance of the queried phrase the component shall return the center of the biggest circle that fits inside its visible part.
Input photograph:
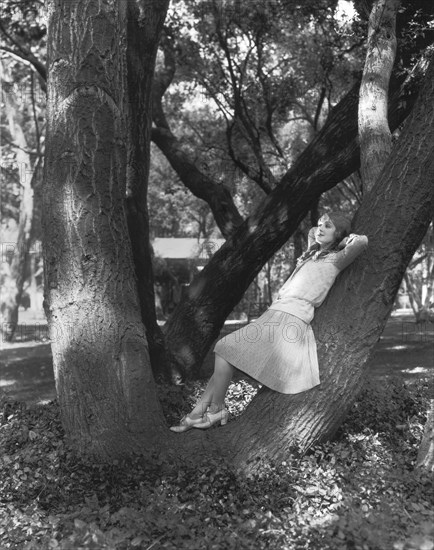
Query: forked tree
(100, 351)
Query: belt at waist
(302, 309)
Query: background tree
(419, 280)
(22, 158)
(425, 457)
(23, 94)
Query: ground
(358, 492)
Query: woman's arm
(354, 245)
(311, 237)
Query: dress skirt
(277, 349)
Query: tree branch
(216, 195)
(250, 172)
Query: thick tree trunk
(331, 156)
(142, 37)
(13, 280)
(425, 457)
(102, 370)
(374, 132)
(351, 320)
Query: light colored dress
(278, 349)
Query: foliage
(358, 492)
(24, 22)
(173, 210)
(265, 74)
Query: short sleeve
(311, 237)
(349, 253)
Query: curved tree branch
(216, 195)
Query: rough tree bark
(102, 370)
(274, 423)
(374, 133)
(143, 32)
(331, 156)
(13, 280)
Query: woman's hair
(343, 227)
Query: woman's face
(326, 232)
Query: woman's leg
(214, 395)
(213, 398)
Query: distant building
(176, 262)
(197, 250)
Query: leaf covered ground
(358, 492)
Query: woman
(279, 348)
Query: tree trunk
(374, 132)
(331, 156)
(425, 457)
(142, 39)
(102, 370)
(32, 289)
(13, 280)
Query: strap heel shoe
(186, 423)
(212, 419)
